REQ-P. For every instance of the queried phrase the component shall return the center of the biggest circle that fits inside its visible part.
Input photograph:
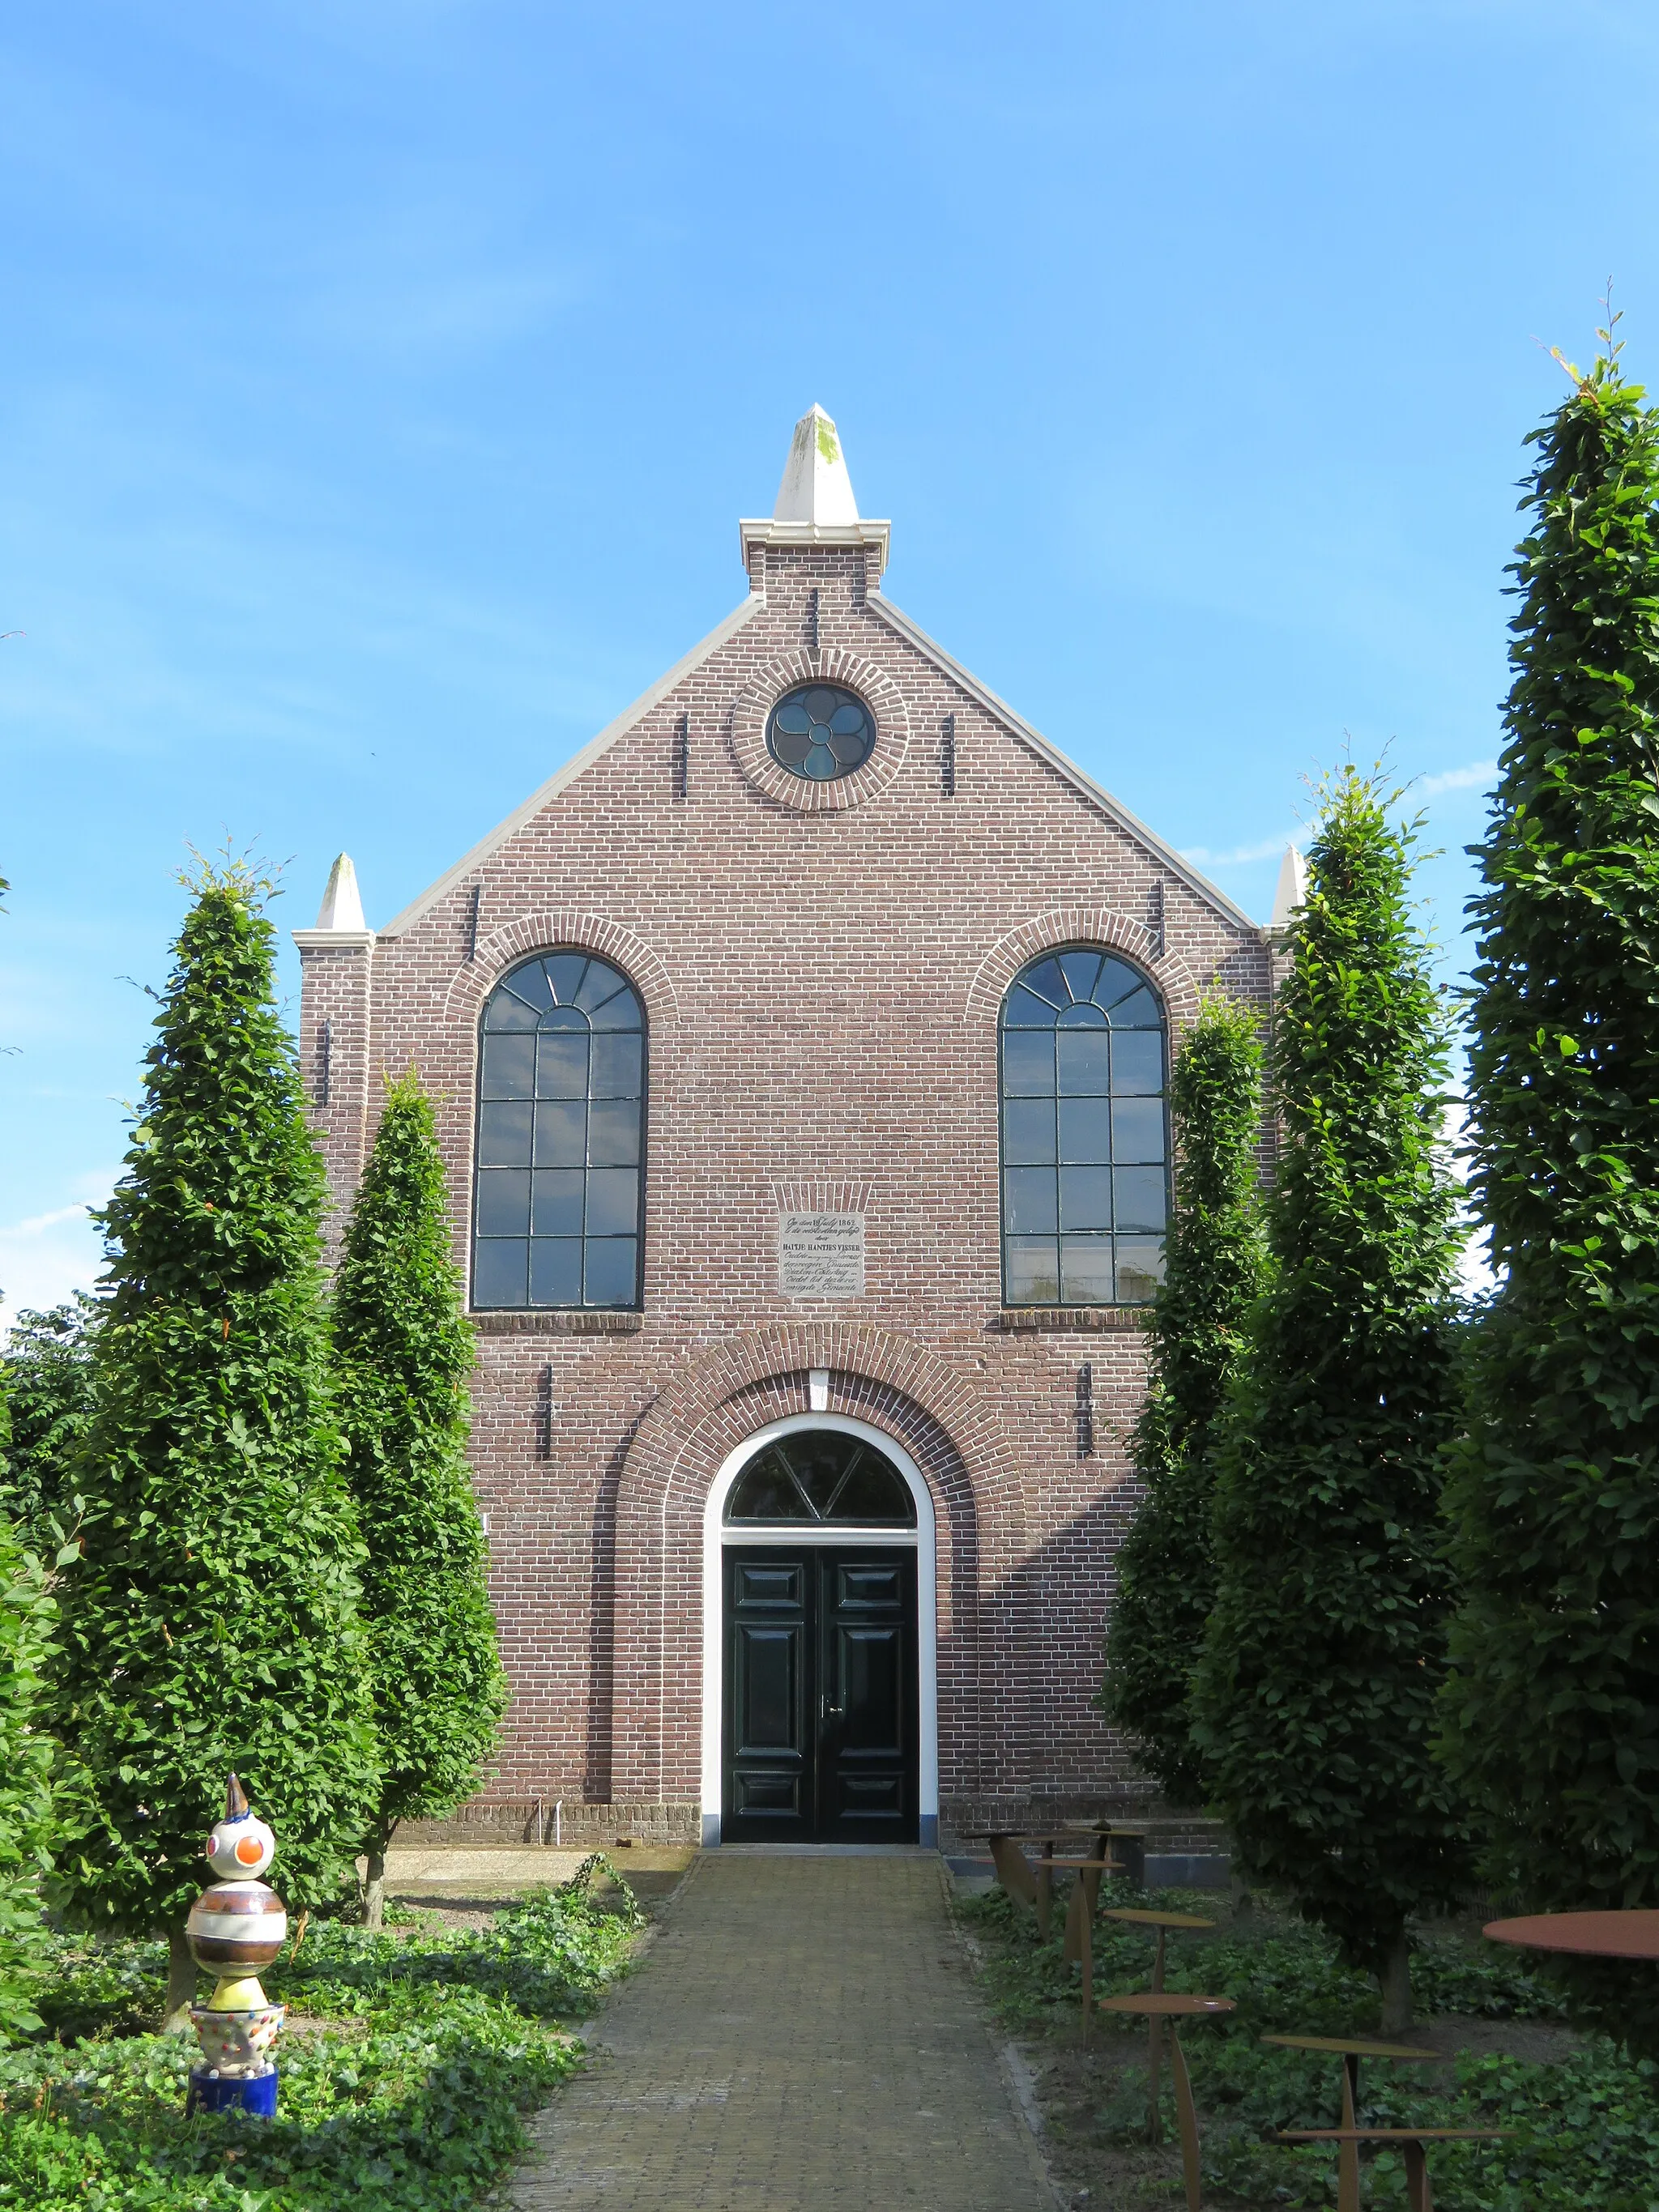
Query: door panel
(820, 1727)
(867, 1761)
(768, 1692)
(870, 1667)
(769, 1705)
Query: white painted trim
(1046, 750)
(766, 530)
(329, 940)
(923, 1539)
(562, 778)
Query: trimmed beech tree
(45, 1373)
(209, 1618)
(1552, 1714)
(403, 1350)
(1214, 1267)
(26, 1614)
(1326, 1642)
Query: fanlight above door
(820, 1477)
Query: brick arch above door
(655, 1542)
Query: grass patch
(410, 2061)
(1585, 2124)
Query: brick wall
(822, 969)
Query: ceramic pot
(235, 2042)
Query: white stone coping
(333, 940)
(765, 530)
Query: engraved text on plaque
(821, 1255)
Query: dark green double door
(821, 1706)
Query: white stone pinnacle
(816, 486)
(342, 905)
(1293, 889)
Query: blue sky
(382, 385)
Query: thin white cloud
(38, 1222)
(1265, 848)
(1475, 777)
(46, 1257)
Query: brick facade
(822, 967)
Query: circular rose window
(820, 732)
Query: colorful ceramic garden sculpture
(236, 1926)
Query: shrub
(1166, 1567)
(1552, 1715)
(1326, 1642)
(403, 1350)
(210, 1612)
(26, 1614)
(45, 1373)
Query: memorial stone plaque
(821, 1255)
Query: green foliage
(405, 2093)
(1581, 2134)
(209, 1616)
(1166, 1567)
(1583, 2130)
(27, 1615)
(1282, 1976)
(45, 1374)
(403, 1350)
(1552, 1714)
(1326, 1646)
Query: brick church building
(798, 1052)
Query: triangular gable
(562, 778)
(904, 626)
(1114, 809)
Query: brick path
(802, 2036)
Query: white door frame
(920, 1540)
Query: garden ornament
(237, 1925)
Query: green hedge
(405, 2091)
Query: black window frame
(582, 1304)
(1109, 1097)
(792, 1453)
(799, 691)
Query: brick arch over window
(566, 931)
(648, 1542)
(1082, 925)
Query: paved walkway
(803, 2036)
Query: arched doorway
(820, 1661)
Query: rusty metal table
(1086, 1895)
(1628, 1935)
(1048, 1866)
(1161, 1923)
(1351, 2048)
(1029, 1881)
(1159, 2005)
(1419, 2196)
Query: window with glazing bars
(1085, 1175)
(561, 1152)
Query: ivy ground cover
(410, 2059)
(1583, 2120)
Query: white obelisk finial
(1292, 891)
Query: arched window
(1084, 1141)
(561, 1155)
(819, 1476)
